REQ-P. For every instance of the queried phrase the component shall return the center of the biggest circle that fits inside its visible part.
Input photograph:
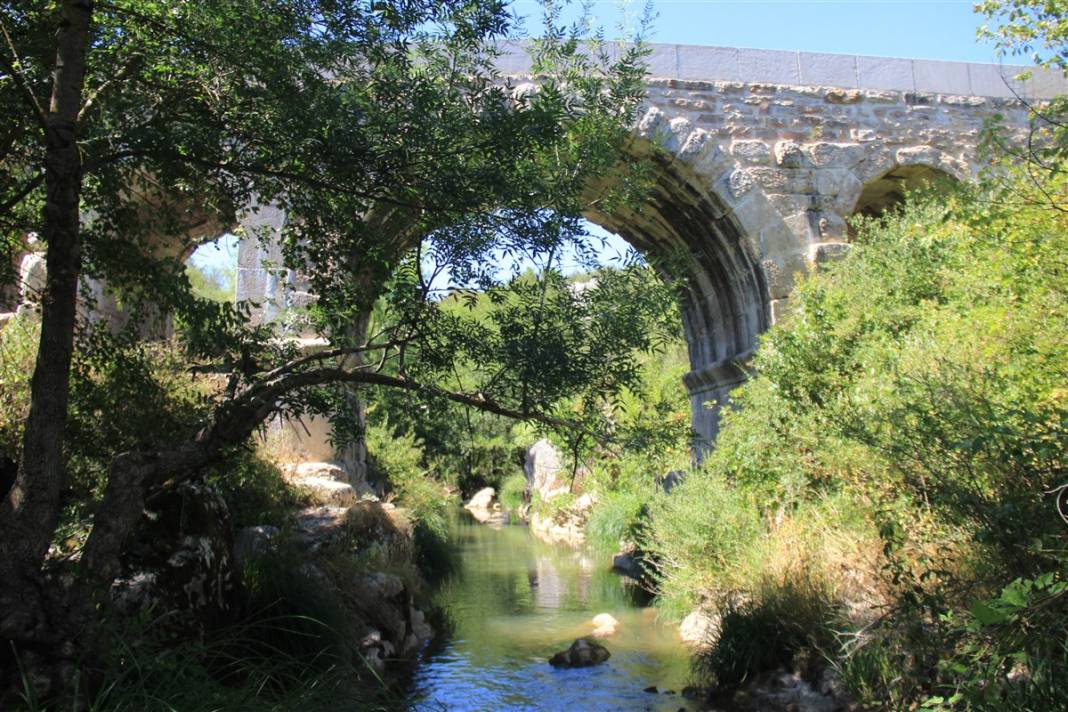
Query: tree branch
(117, 78)
(21, 193)
(133, 474)
(20, 79)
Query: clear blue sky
(918, 29)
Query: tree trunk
(30, 512)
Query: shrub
(513, 492)
(254, 489)
(908, 421)
(616, 519)
(397, 459)
(781, 621)
(18, 351)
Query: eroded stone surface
(544, 471)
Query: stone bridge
(760, 157)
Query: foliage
(912, 403)
(615, 519)
(253, 488)
(780, 624)
(1036, 29)
(212, 284)
(513, 492)
(396, 459)
(18, 348)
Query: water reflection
(511, 603)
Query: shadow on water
(511, 602)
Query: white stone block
(709, 64)
(941, 77)
(1046, 84)
(248, 254)
(663, 61)
(994, 80)
(885, 73)
(829, 70)
(772, 66)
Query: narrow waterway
(513, 601)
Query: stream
(511, 602)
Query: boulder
(545, 473)
(321, 525)
(483, 499)
(324, 483)
(484, 507)
(699, 629)
(182, 561)
(323, 470)
(582, 653)
(628, 564)
(605, 625)
(565, 527)
(326, 491)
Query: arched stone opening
(689, 233)
(887, 192)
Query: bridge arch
(702, 226)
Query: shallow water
(514, 601)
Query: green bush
(781, 623)
(914, 403)
(615, 519)
(513, 492)
(696, 535)
(18, 351)
(398, 459)
(253, 488)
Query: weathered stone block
(843, 96)
(708, 63)
(759, 65)
(841, 155)
(788, 154)
(829, 70)
(941, 77)
(751, 151)
(827, 252)
(885, 73)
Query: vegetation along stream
(511, 602)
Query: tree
(371, 123)
(1039, 31)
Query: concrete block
(994, 80)
(709, 64)
(1046, 84)
(941, 77)
(663, 61)
(828, 70)
(885, 73)
(772, 66)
